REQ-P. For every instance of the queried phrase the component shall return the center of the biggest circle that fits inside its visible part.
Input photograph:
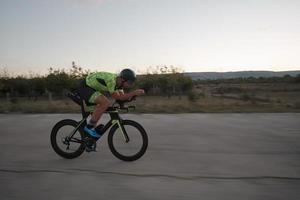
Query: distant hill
(239, 74)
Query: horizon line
(36, 74)
(138, 71)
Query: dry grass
(41, 106)
(237, 98)
(209, 104)
(156, 104)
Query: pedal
(90, 145)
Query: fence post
(7, 97)
(50, 96)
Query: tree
(21, 86)
(185, 83)
(297, 79)
(58, 80)
(165, 81)
(76, 72)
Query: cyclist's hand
(139, 92)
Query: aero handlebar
(123, 102)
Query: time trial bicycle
(127, 139)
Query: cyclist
(95, 89)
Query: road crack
(148, 175)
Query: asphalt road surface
(190, 156)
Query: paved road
(190, 156)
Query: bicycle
(127, 139)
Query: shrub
(192, 96)
(245, 97)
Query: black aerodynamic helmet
(128, 75)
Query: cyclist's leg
(102, 103)
(97, 103)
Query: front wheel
(135, 147)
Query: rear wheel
(137, 145)
(62, 141)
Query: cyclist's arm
(122, 96)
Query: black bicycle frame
(113, 112)
(115, 119)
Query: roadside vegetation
(168, 90)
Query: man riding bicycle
(95, 89)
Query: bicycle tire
(54, 144)
(140, 152)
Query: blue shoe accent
(92, 132)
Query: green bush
(192, 96)
(245, 97)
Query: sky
(108, 35)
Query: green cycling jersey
(102, 81)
